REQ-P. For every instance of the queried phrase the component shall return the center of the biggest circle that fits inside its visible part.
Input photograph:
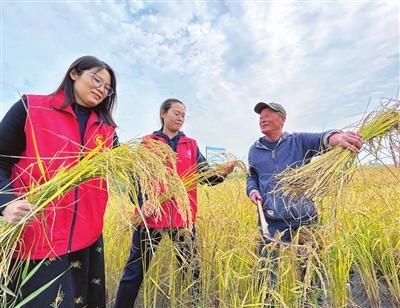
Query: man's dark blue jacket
(265, 162)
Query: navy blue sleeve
(115, 141)
(252, 177)
(314, 143)
(311, 141)
(12, 144)
(200, 159)
(203, 166)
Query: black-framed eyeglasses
(99, 83)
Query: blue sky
(323, 60)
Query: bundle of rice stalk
(126, 167)
(333, 168)
(207, 174)
(201, 173)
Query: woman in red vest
(67, 236)
(189, 158)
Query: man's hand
(14, 212)
(255, 196)
(348, 140)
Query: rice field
(350, 259)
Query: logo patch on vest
(99, 140)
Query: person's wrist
(253, 191)
(327, 138)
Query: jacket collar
(283, 137)
(160, 133)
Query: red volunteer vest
(186, 160)
(75, 220)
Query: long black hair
(105, 109)
(166, 105)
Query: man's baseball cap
(275, 106)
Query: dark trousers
(144, 243)
(81, 282)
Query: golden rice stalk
(207, 173)
(333, 168)
(127, 167)
(190, 179)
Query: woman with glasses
(171, 223)
(39, 135)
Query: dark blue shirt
(269, 144)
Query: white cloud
(321, 60)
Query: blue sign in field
(215, 155)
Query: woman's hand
(15, 211)
(228, 169)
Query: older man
(270, 155)
(273, 153)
